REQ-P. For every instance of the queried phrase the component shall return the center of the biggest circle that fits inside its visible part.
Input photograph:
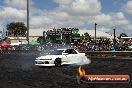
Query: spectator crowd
(100, 45)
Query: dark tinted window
(70, 51)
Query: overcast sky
(108, 14)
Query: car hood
(49, 57)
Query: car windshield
(56, 52)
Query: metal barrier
(90, 54)
(108, 54)
(26, 52)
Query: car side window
(67, 51)
(74, 52)
(70, 51)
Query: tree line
(19, 29)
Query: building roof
(36, 32)
(98, 34)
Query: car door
(66, 56)
(72, 55)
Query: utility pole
(28, 21)
(95, 32)
(61, 36)
(114, 41)
(3, 34)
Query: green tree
(122, 35)
(39, 40)
(17, 28)
(82, 37)
(86, 37)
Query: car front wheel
(57, 62)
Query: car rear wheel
(57, 62)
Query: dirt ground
(19, 71)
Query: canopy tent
(130, 40)
(4, 44)
(33, 42)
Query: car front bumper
(44, 63)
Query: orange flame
(81, 71)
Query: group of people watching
(106, 45)
(100, 45)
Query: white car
(62, 57)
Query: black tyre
(57, 62)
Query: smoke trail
(80, 60)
